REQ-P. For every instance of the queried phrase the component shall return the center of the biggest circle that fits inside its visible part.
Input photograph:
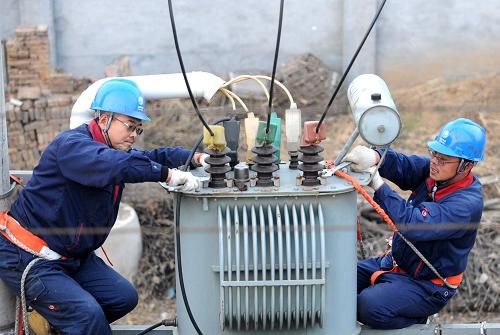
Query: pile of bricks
(28, 61)
(39, 100)
(32, 124)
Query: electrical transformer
(269, 259)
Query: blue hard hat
(123, 96)
(461, 138)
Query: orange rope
(370, 200)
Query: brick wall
(39, 99)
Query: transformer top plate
(287, 183)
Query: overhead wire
(181, 63)
(344, 75)
(178, 198)
(275, 63)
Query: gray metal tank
(268, 260)
(374, 110)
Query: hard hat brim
(438, 147)
(442, 149)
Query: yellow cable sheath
(224, 91)
(248, 77)
(283, 87)
(236, 97)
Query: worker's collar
(440, 192)
(96, 132)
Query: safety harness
(25, 239)
(29, 242)
(453, 280)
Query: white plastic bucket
(124, 243)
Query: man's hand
(362, 158)
(186, 180)
(202, 160)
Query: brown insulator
(264, 164)
(310, 166)
(217, 167)
(294, 160)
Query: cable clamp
(330, 171)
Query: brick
(26, 92)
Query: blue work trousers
(77, 296)
(396, 300)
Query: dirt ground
(423, 109)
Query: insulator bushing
(264, 164)
(217, 167)
(310, 166)
(294, 160)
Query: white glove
(376, 181)
(362, 158)
(202, 160)
(186, 180)
(204, 163)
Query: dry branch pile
(157, 267)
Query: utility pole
(4, 145)
(7, 299)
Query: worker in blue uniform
(69, 206)
(440, 218)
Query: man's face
(123, 131)
(443, 167)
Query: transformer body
(270, 259)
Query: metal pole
(7, 299)
(347, 146)
(4, 146)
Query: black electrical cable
(350, 65)
(167, 323)
(275, 63)
(178, 234)
(179, 56)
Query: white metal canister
(374, 110)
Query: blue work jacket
(443, 229)
(72, 199)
